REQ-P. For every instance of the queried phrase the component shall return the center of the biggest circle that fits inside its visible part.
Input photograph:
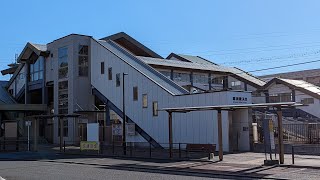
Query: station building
(78, 74)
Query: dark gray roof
(196, 59)
(5, 97)
(144, 68)
(203, 66)
(40, 47)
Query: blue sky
(248, 34)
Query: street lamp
(124, 118)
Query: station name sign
(237, 99)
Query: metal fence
(300, 133)
(143, 150)
(306, 149)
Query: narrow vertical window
(118, 79)
(144, 100)
(102, 67)
(110, 73)
(135, 93)
(155, 108)
(83, 60)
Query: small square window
(135, 93)
(110, 73)
(118, 79)
(144, 100)
(155, 108)
(102, 68)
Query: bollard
(130, 149)
(112, 147)
(150, 150)
(292, 152)
(64, 146)
(179, 150)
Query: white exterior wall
(79, 88)
(311, 108)
(194, 127)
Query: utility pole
(124, 145)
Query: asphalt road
(33, 170)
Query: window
(65, 128)
(282, 97)
(236, 85)
(63, 97)
(36, 70)
(118, 79)
(217, 80)
(102, 67)
(203, 79)
(135, 93)
(307, 101)
(83, 60)
(155, 108)
(166, 73)
(63, 62)
(183, 77)
(110, 73)
(144, 100)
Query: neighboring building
(287, 90)
(311, 76)
(79, 74)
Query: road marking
(1, 178)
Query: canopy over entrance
(219, 108)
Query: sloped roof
(30, 49)
(143, 68)
(131, 45)
(299, 85)
(182, 64)
(245, 75)
(5, 97)
(189, 58)
(205, 65)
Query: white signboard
(93, 132)
(131, 131)
(116, 129)
(272, 143)
(28, 123)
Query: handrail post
(179, 150)
(150, 150)
(292, 153)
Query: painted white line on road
(1, 178)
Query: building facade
(78, 74)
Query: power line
(289, 65)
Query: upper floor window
(144, 100)
(217, 80)
(83, 60)
(197, 78)
(236, 85)
(166, 73)
(183, 77)
(155, 108)
(118, 79)
(110, 73)
(307, 101)
(135, 93)
(63, 62)
(36, 70)
(102, 67)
